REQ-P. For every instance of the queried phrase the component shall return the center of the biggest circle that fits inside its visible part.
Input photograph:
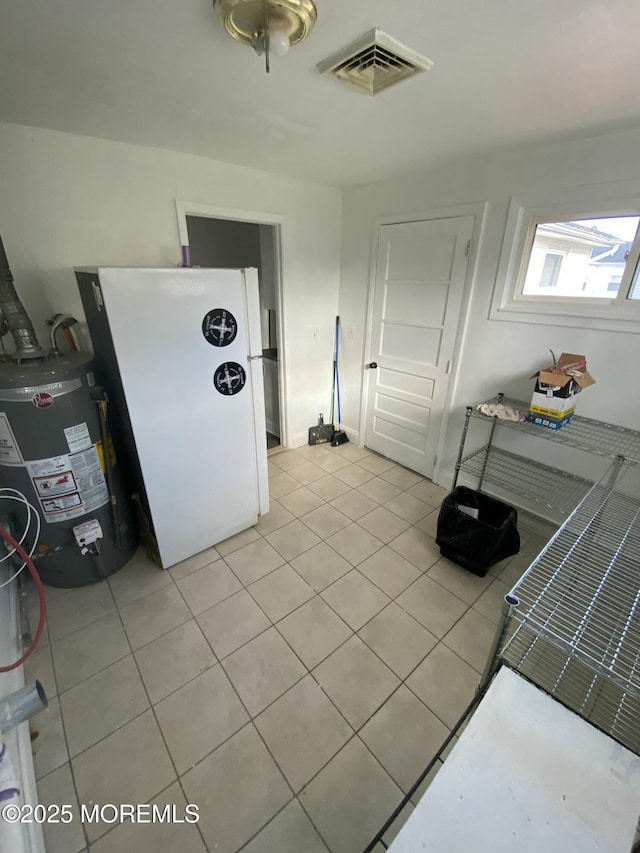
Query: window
(614, 283)
(569, 267)
(550, 270)
(589, 254)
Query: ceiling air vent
(374, 62)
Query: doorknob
(372, 365)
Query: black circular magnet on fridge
(219, 327)
(229, 378)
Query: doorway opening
(232, 243)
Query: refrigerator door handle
(252, 307)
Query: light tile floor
(292, 682)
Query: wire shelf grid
(604, 704)
(578, 611)
(596, 437)
(531, 525)
(540, 483)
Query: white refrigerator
(180, 353)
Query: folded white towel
(498, 410)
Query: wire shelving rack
(540, 483)
(574, 617)
(525, 481)
(571, 624)
(597, 437)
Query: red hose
(43, 608)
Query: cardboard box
(547, 422)
(553, 400)
(555, 407)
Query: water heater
(55, 448)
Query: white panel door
(191, 401)
(420, 274)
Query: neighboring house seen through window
(570, 268)
(579, 258)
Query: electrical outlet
(351, 333)
(315, 333)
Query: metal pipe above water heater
(64, 321)
(20, 326)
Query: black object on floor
(322, 433)
(339, 436)
(476, 531)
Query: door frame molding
(476, 209)
(256, 217)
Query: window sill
(566, 315)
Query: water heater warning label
(69, 485)
(61, 504)
(59, 484)
(78, 437)
(9, 450)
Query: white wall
(497, 355)
(71, 201)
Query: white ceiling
(163, 73)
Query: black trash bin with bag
(476, 531)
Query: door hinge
(97, 295)
(468, 250)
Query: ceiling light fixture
(268, 26)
